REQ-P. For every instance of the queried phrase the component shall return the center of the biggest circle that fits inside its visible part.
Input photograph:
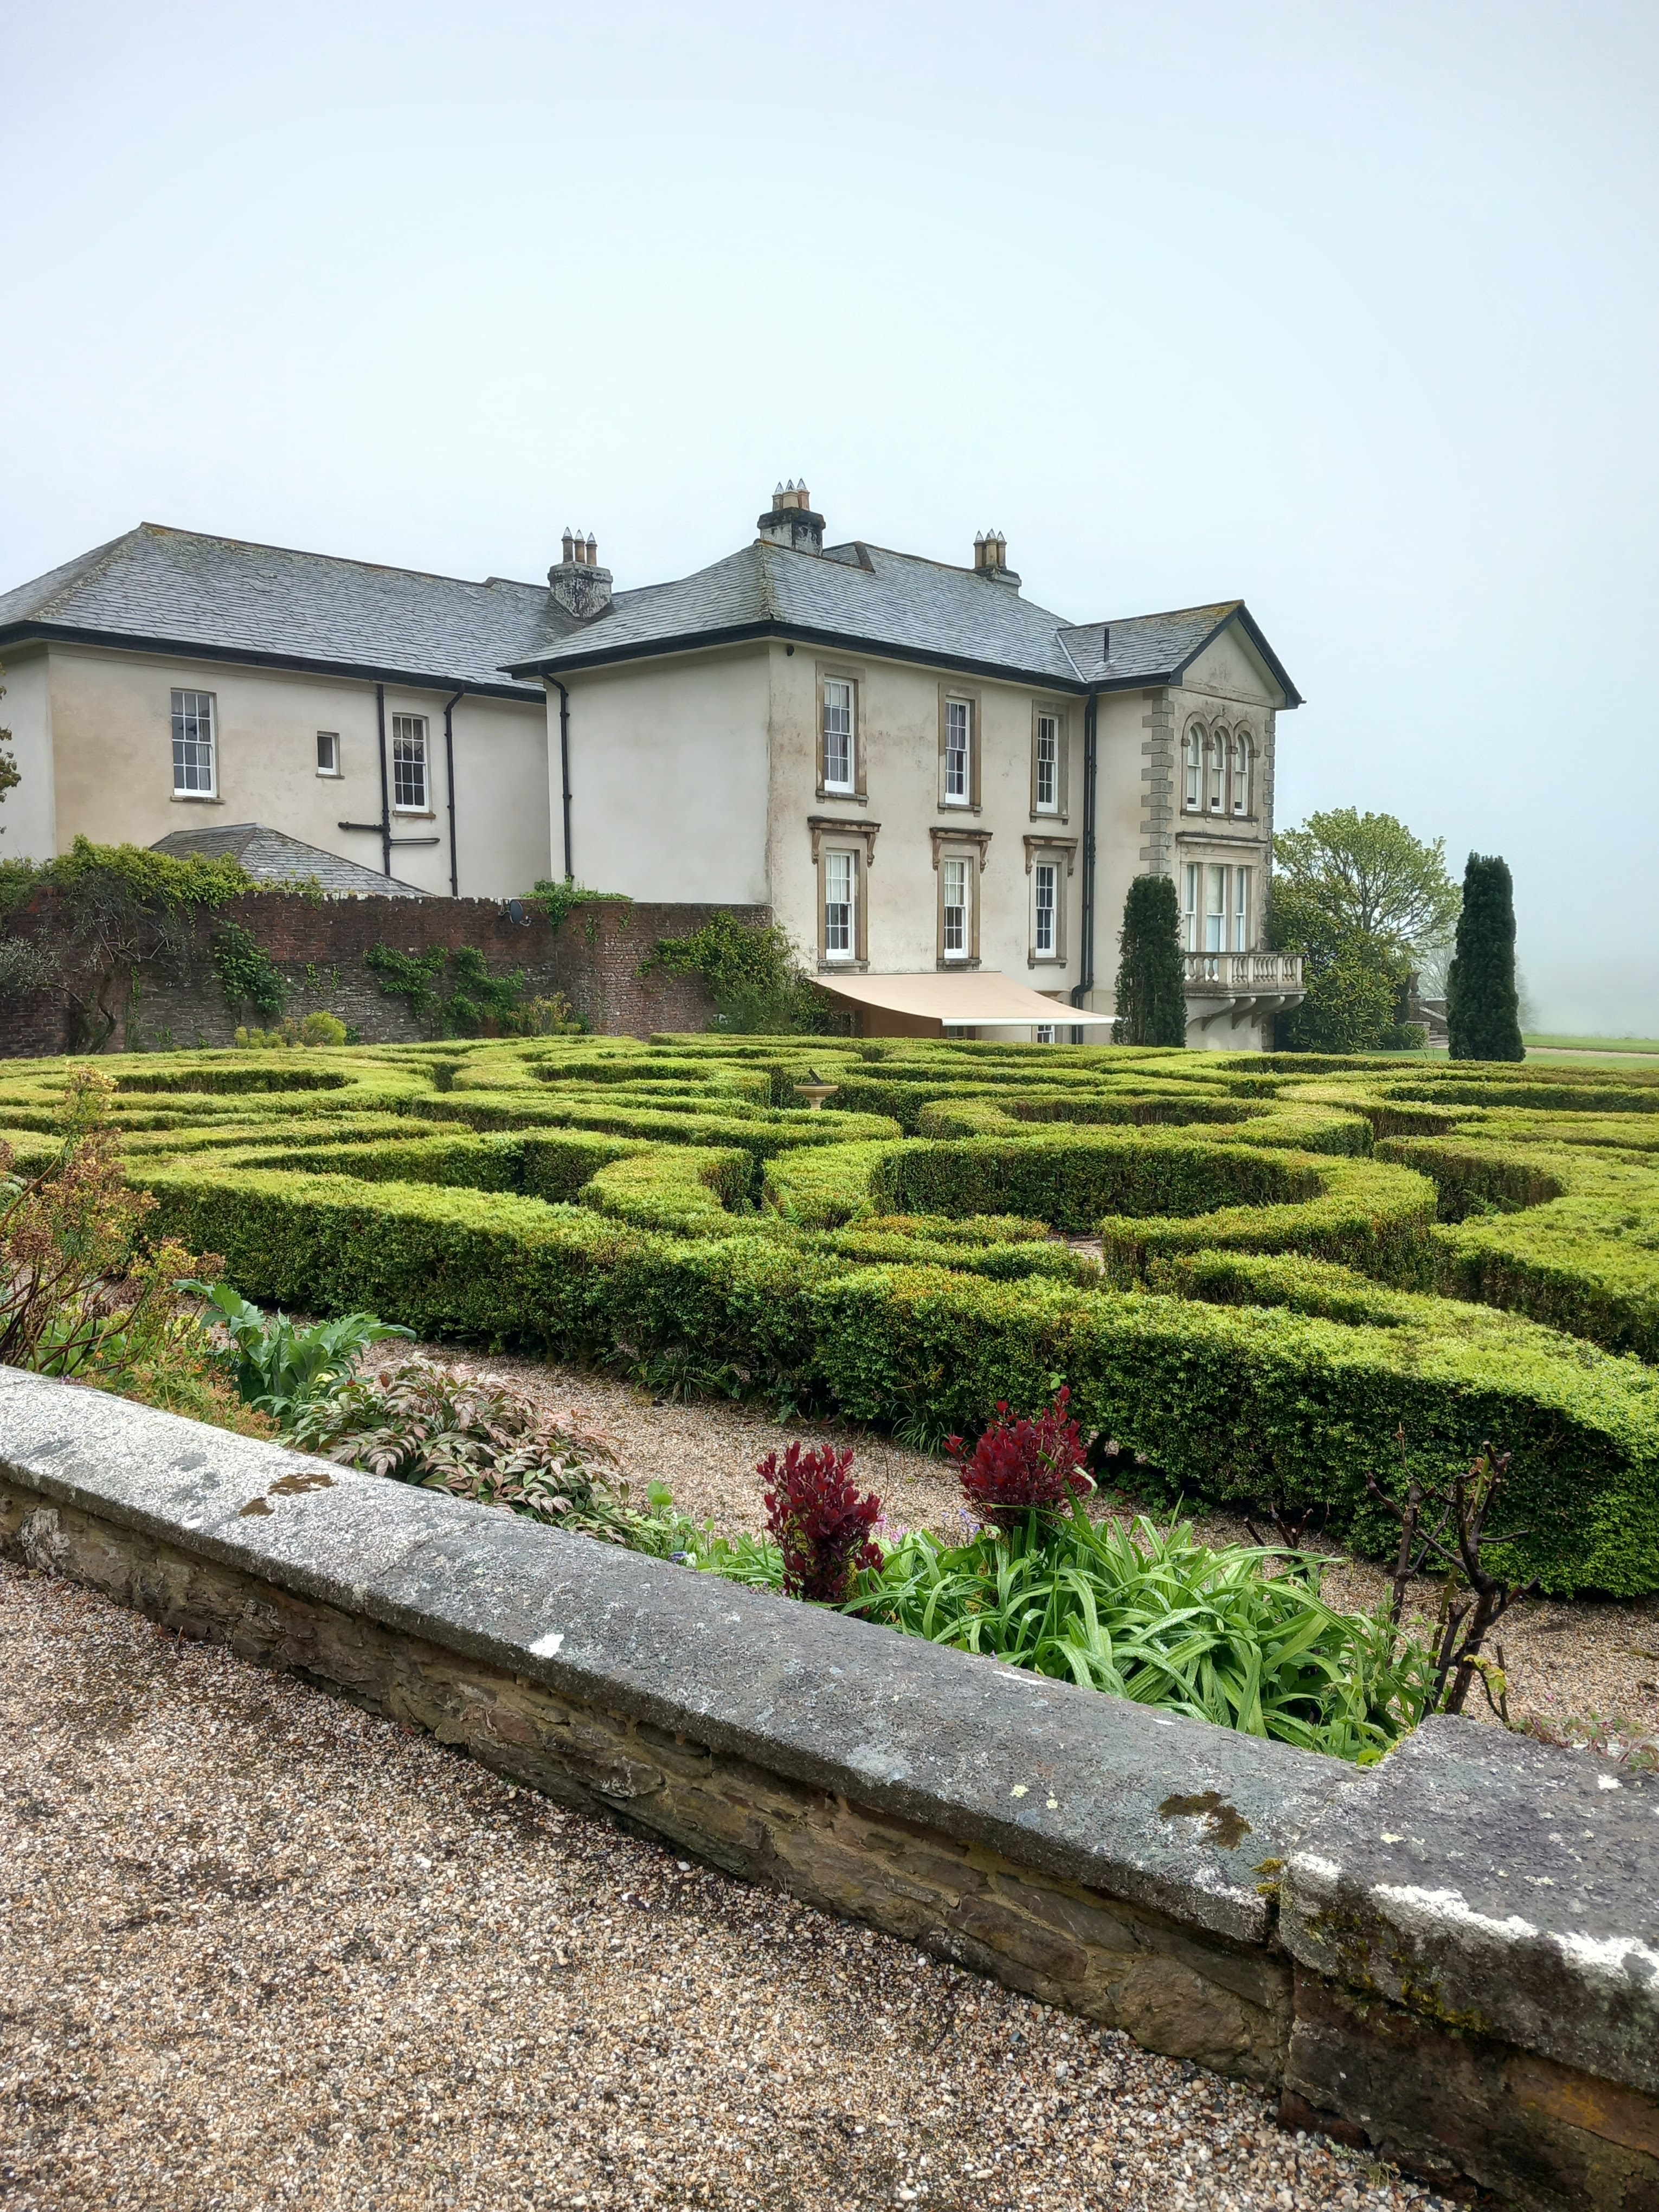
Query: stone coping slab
(1189, 1819)
(1497, 1886)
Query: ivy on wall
(249, 976)
(454, 995)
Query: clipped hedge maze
(1253, 1271)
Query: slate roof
(868, 596)
(222, 598)
(225, 598)
(275, 858)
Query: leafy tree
(1352, 876)
(1363, 900)
(1483, 1015)
(1151, 988)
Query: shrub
(474, 1437)
(317, 1028)
(754, 976)
(280, 1370)
(1021, 1468)
(1152, 987)
(1483, 1006)
(815, 1515)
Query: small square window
(328, 752)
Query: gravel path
(262, 1949)
(1578, 1660)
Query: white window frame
(1043, 1033)
(1217, 795)
(1190, 901)
(845, 927)
(845, 785)
(1244, 762)
(1045, 871)
(1048, 731)
(410, 730)
(958, 759)
(963, 877)
(1194, 792)
(1217, 918)
(1241, 903)
(328, 753)
(195, 757)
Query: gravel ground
(1574, 1662)
(262, 1949)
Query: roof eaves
(251, 656)
(1046, 679)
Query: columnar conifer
(1483, 1011)
(1151, 988)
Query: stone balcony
(1241, 988)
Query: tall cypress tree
(1483, 1010)
(1151, 982)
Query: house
(940, 790)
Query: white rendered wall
(111, 718)
(28, 818)
(668, 776)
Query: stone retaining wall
(1454, 1957)
(594, 957)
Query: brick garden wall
(593, 958)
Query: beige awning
(984, 999)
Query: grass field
(1592, 1044)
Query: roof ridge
(302, 553)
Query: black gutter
(450, 706)
(386, 793)
(564, 768)
(1085, 984)
(247, 657)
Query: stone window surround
(969, 693)
(1054, 850)
(841, 671)
(950, 842)
(1060, 811)
(1213, 727)
(860, 839)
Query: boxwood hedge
(1253, 1271)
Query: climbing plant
(754, 976)
(248, 973)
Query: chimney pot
(577, 583)
(790, 520)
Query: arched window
(1195, 768)
(1218, 801)
(1242, 757)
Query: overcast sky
(1350, 311)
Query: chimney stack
(991, 558)
(790, 520)
(577, 582)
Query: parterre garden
(1257, 1274)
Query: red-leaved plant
(823, 1525)
(1023, 1467)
